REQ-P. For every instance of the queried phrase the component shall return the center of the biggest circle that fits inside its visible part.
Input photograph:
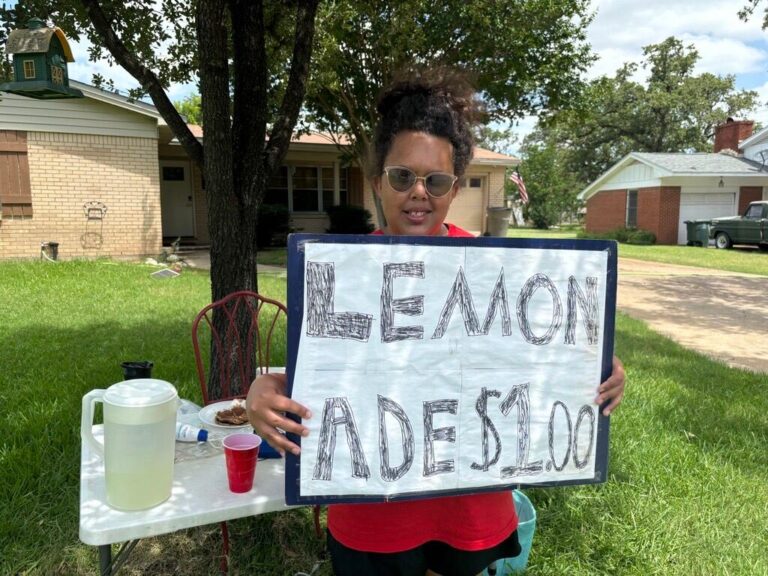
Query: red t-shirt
(467, 522)
(453, 231)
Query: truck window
(754, 212)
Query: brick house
(660, 191)
(104, 176)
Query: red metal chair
(241, 329)
(235, 338)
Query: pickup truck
(751, 228)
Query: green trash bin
(698, 232)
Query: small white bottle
(188, 433)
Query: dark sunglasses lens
(439, 184)
(401, 179)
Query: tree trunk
(238, 160)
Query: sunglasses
(402, 179)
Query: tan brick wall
(68, 170)
(749, 194)
(496, 186)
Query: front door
(176, 199)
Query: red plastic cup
(241, 452)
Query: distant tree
(552, 188)
(191, 108)
(749, 9)
(496, 139)
(672, 111)
(526, 56)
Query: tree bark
(238, 159)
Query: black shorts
(436, 556)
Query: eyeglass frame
(386, 170)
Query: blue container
(526, 515)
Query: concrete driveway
(721, 314)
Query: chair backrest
(235, 339)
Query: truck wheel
(763, 247)
(722, 240)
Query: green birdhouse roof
(36, 41)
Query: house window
(306, 188)
(29, 69)
(632, 209)
(475, 182)
(57, 75)
(327, 174)
(277, 188)
(173, 173)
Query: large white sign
(432, 369)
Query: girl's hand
(267, 406)
(612, 389)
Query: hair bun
(437, 101)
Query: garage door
(703, 206)
(469, 205)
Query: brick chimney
(728, 135)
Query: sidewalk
(201, 259)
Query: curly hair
(440, 102)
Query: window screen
(632, 209)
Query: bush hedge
(274, 223)
(624, 235)
(349, 220)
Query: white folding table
(200, 495)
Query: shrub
(349, 220)
(644, 237)
(623, 235)
(273, 225)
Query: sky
(621, 28)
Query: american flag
(518, 180)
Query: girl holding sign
(421, 148)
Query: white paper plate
(207, 416)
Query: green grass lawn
(740, 259)
(272, 256)
(686, 493)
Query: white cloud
(178, 92)
(83, 69)
(761, 115)
(726, 45)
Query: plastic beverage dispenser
(139, 440)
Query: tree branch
(145, 77)
(280, 136)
